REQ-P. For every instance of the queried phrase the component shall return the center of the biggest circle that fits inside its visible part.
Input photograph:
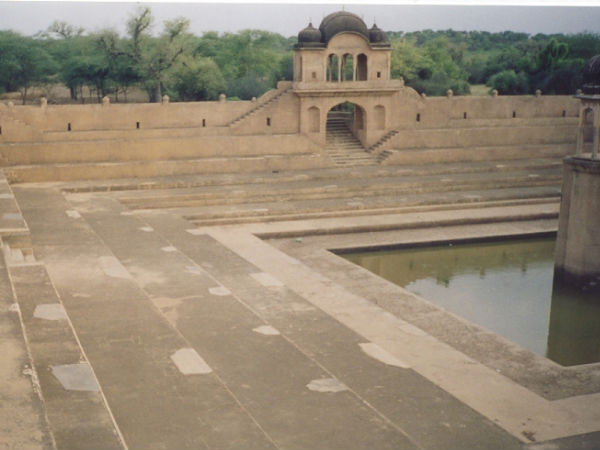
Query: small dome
(339, 22)
(309, 34)
(376, 35)
(591, 76)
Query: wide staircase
(219, 199)
(342, 146)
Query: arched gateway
(344, 63)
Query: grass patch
(479, 90)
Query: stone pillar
(596, 123)
(580, 130)
(577, 255)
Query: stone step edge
(567, 143)
(173, 160)
(364, 228)
(344, 191)
(349, 229)
(228, 217)
(120, 184)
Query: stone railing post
(580, 136)
(596, 131)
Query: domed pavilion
(344, 62)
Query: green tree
(154, 56)
(250, 60)
(24, 63)
(197, 79)
(508, 82)
(552, 55)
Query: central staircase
(343, 147)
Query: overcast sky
(29, 17)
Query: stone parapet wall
(123, 116)
(439, 111)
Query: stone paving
(134, 328)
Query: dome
(309, 34)
(377, 36)
(591, 76)
(339, 22)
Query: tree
(155, 56)
(63, 30)
(250, 60)
(508, 82)
(552, 55)
(197, 79)
(23, 63)
(122, 72)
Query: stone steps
(22, 409)
(145, 168)
(342, 189)
(335, 192)
(277, 211)
(327, 175)
(416, 155)
(266, 102)
(343, 147)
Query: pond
(505, 287)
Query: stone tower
(577, 258)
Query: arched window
(347, 71)
(332, 68)
(314, 120)
(380, 117)
(361, 67)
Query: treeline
(173, 62)
(513, 63)
(246, 64)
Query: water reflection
(505, 287)
(574, 333)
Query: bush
(508, 82)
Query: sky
(29, 17)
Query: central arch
(344, 121)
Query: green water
(505, 287)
